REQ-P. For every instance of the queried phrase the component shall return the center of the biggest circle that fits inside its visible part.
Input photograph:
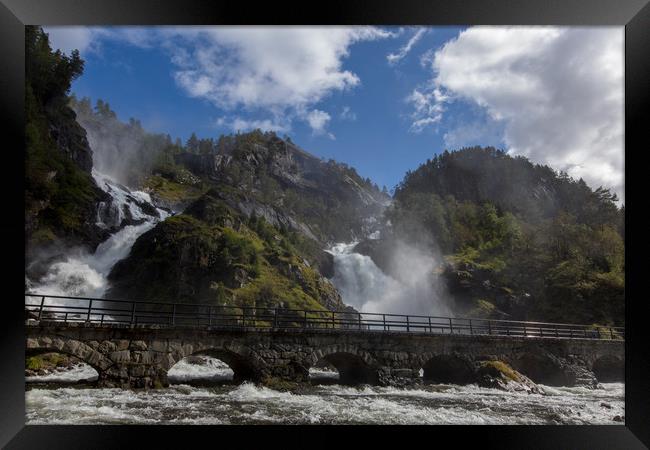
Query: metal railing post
(210, 317)
(133, 314)
(359, 320)
(611, 333)
(430, 330)
(451, 326)
(40, 311)
(408, 328)
(90, 306)
(174, 314)
(471, 330)
(489, 327)
(305, 324)
(275, 317)
(384, 319)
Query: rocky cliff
(213, 253)
(61, 196)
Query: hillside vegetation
(520, 240)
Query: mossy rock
(278, 384)
(498, 369)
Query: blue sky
(382, 100)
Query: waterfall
(413, 288)
(83, 274)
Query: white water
(83, 274)
(364, 286)
(332, 404)
(210, 370)
(80, 371)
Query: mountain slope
(520, 241)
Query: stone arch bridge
(134, 344)
(141, 355)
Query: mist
(413, 286)
(125, 152)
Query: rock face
(326, 201)
(257, 235)
(70, 138)
(466, 284)
(212, 253)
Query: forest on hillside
(552, 246)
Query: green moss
(34, 363)
(46, 361)
(171, 191)
(272, 288)
(482, 308)
(279, 384)
(499, 367)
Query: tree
(192, 144)
(50, 74)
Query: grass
(171, 191)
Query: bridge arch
(240, 361)
(541, 368)
(609, 368)
(447, 369)
(355, 366)
(70, 347)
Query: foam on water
(211, 369)
(249, 403)
(78, 372)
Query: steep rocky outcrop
(61, 196)
(273, 178)
(212, 253)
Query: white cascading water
(85, 275)
(365, 287)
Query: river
(320, 403)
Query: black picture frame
(14, 14)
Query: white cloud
(318, 121)
(241, 124)
(348, 114)
(275, 68)
(484, 132)
(88, 39)
(394, 58)
(279, 71)
(67, 39)
(558, 92)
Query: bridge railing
(110, 311)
